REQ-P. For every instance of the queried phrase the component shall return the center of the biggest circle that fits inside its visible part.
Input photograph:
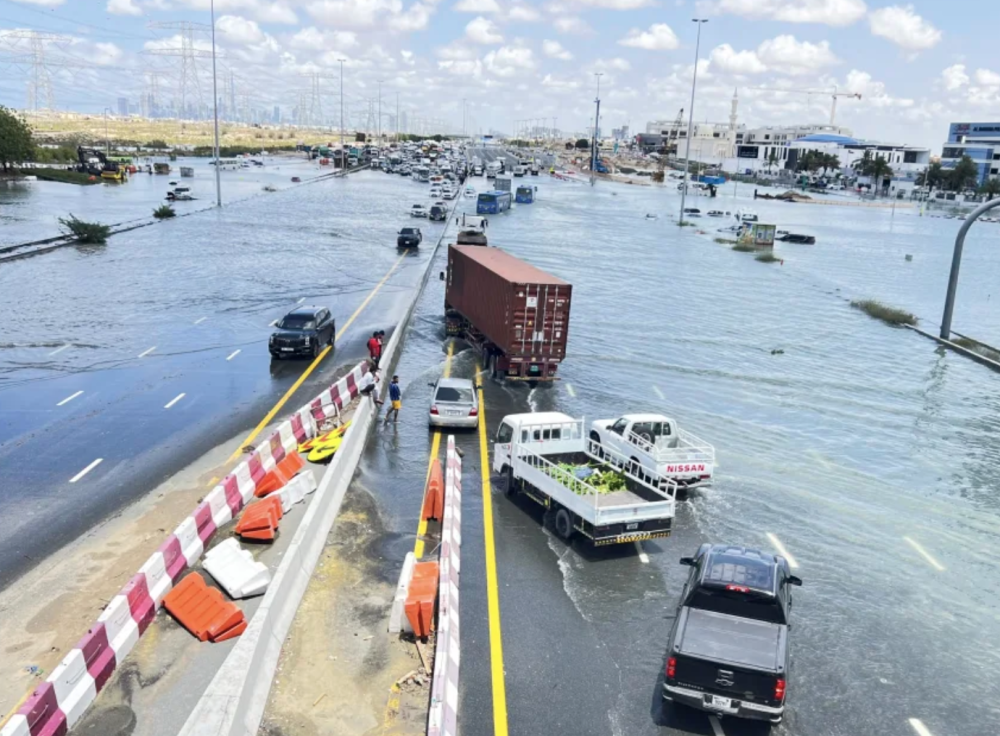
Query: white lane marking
(643, 557)
(86, 470)
(716, 726)
(301, 300)
(69, 398)
(925, 554)
(273, 323)
(59, 350)
(144, 353)
(919, 727)
(569, 388)
(174, 400)
(200, 320)
(233, 354)
(782, 551)
(656, 390)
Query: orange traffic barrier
(260, 520)
(203, 611)
(434, 494)
(421, 598)
(283, 472)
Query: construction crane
(833, 95)
(668, 148)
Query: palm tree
(991, 188)
(879, 172)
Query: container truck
(586, 487)
(515, 314)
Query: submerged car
(418, 210)
(454, 403)
(305, 331)
(409, 237)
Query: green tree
(16, 145)
(965, 175)
(991, 188)
(583, 144)
(933, 177)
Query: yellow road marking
(312, 366)
(492, 592)
(12, 711)
(418, 546)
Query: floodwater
(872, 456)
(30, 211)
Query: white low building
(768, 148)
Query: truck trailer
(515, 314)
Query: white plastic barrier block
(221, 513)
(191, 544)
(266, 457)
(308, 422)
(235, 570)
(295, 491)
(244, 482)
(397, 620)
(123, 631)
(157, 580)
(16, 726)
(75, 688)
(287, 435)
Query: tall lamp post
(379, 126)
(215, 109)
(343, 164)
(593, 140)
(694, 84)
(107, 136)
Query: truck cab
(728, 647)
(659, 445)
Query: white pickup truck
(657, 444)
(589, 488)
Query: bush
(685, 223)
(90, 233)
(726, 241)
(977, 347)
(889, 315)
(767, 257)
(62, 175)
(164, 212)
(744, 248)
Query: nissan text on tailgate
(728, 651)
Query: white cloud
(462, 68)
(477, 6)
(901, 25)
(123, 7)
(571, 24)
(616, 64)
(507, 61)
(483, 30)
(523, 13)
(264, 11)
(46, 3)
(559, 83)
(407, 57)
(366, 14)
(106, 54)
(414, 18)
(955, 77)
(787, 55)
(555, 50)
(456, 52)
(659, 37)
(873, 92)
(269, 12)
(311, 38)
(827, 12)
(615, 4)
(237, 29)
(987, 78)
(727, 59)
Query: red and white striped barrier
(442, 720)
(58, 703)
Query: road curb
(235, 700)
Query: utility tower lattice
(40, 94)
(188, 82)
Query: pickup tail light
(672, 669)
(738, 588)
(473, 412)
(779, 690)
(434, 409)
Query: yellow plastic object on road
(325, 445)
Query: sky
(490, 63)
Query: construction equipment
(833, 95)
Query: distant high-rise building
(276, 116)
(123, 106)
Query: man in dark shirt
(396, 399)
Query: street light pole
(956, 264)
(215, 111)
(379, 126)
(593, 140)
(107, 137)
(463, 118)
(343, 164)
(694, 84)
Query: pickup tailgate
(723, 654)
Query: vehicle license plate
(720, 702)
(632, 527)
(454, 413)
(287, 350)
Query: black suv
(303, 331)
(409, 237)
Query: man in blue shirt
(396, 398)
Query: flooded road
(869, 455)
(120, 364)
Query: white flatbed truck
(548, 457)
(656, 443)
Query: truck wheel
(510, 489)
(564, 524)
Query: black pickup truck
(409, 237)
(728, 651)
